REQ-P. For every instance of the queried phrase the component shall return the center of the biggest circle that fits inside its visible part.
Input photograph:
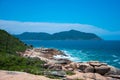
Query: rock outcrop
(101, 71)
(88, 76)
(92, 70)
(56, 73)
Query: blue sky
(100, 16)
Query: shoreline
(61, 64)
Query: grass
(17, 63)
(70, 73)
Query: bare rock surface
(87, 76)
(102, 69)
(92, 70)
(14, 75)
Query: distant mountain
(65, 35)
(33, 36)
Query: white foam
(116, 60)
(114, 56)
(65, 57)
(60, 56)
(68, 56)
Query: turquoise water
(104, 51)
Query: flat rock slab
(87, 76)
(14, 75)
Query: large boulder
(113, 71)
(72, 66)
(55, 67)
(100, 77)
(68, 67)
(48, 52)
(62, 61)
(102, 69)
(115, 76)
(87, 76)
(56, 73)
(95, 63)
(99, 67)
(83, 66)
(89, 69)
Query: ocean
(83, 50)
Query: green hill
(9, 60)
(10, 44)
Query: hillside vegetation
(10, 44)
(9, 60)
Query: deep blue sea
(78, 50)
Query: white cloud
(17, 27)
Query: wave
(116, 60)
(68, 56)
(114, 56)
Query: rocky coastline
(92, 70)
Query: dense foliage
(10, 61)
(10, 44)
(65, 35)
(17, 63)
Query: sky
(101, 17)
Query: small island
(64, 35)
